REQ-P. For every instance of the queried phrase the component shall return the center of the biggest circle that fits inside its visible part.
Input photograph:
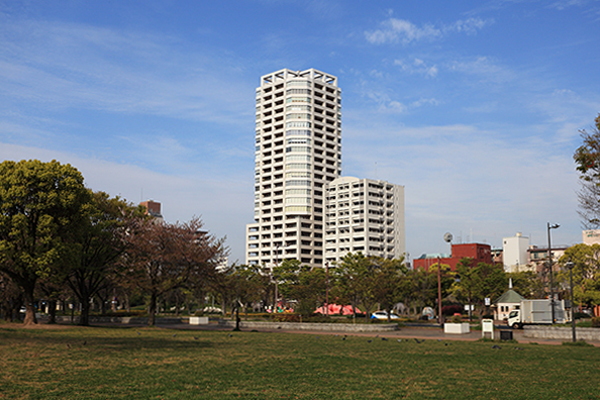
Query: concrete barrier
(556, 332)
(460, 328)
(311, 326)
(198, 320)
(120, 320)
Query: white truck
(531, 312)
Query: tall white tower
(298, 151)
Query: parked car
(383, 316)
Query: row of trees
(57, 237)
(372, 283)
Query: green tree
(528, 284)
(478, 282)
(587, 159)
(354, 281)
(286, 276)
(390, 282)
(40, 211)
(101, 240)
(586, 273)
(309, 290)
(423, 286)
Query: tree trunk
(84, 317)
(152, 310)
(30, 310)
(52, 311)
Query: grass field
(152, 363)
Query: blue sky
(474, 106)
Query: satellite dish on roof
(448, 237)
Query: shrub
(285, 317)
(451, 309)
(581, 315)
(456, 319)
(596, 322)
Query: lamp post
(275, 279)
(327, 288)
(440, 290)
(551, 226)
(570, 266)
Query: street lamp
(570, 266)
(275, 279)
(440, 290)
(327, 287)
(551, 226)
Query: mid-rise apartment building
(364, 215)
(298, 151)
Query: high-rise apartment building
(298, 151)
(364, 215)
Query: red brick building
(477, 251)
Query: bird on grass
(84, 342)
(137, 332)
(230, 335)
(419, 341)
(496, 347)
(344, 338)
(174, 334)
(369, 341)
(384, 339)
(195, 337)
(399, 340)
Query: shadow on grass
(108, 338)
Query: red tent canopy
(332, 309)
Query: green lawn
(144, 363)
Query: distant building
(538, 257)
(497, 256)
(514, 252)
(479, 252)
(591, 237)
(364, 215)
(152, 208)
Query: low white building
(509, 301)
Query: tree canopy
(40, 211)
(587, 159)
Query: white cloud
(395, 30)
(485, 67)
(399, 30)
(69, 65)
(418, 66)
(564, 4)
(469, 26)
